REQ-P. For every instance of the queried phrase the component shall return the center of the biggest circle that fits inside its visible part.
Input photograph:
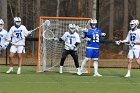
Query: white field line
(109, 83)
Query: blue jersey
(94, 35)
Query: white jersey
(70, 39)
(133, 37)
(3, 35)
(18, 35)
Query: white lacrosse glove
(118, 42)
(103, 34)
(84, 29)
(132, 44)
(78, 28)
(72, 47)
(56, 39)
(4, 46)
(87, 39)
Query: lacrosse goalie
(133, 40)
(93, 36)
(16, 35)
(72, 40)
(3, 35)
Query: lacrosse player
(133, 38)
(3, 35)
(72, 40)
(93, 34)
(16, 35)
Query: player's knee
(130, 61)
(87, 59)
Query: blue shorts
(92, 53)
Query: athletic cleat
(79, 73)
(127, 75)
(98, 75)
(10, 70)
(19, 71)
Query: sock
(95, 64)
(61, 67)
(128, 72)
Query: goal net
(49, 51)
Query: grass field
(53, 82)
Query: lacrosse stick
(46, 23)
(79, 28)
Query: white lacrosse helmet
(1, 24)
(72, 28)
(134, 24)
(93, 23)
(17, 19)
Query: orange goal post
(49, 51)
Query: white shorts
(18, 49)
(134, 53)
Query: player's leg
(129, 65)
(75, 58)
(20, 50)
(87, 58)
(13, 50)
(84, 63)
(19, 63)
(137, 55)
(95, 63)
(64, 55)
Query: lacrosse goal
(49, 51)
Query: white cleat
(98, 75)
(60, 71)
(10, 70)
(79, 73)
(19, 71)
(127, 75)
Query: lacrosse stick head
(48, 34)
(47, 22)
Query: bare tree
(3, 11)
(138, 9)
(111, 28)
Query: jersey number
(95, 37)
(18, 35)
(132, 37)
